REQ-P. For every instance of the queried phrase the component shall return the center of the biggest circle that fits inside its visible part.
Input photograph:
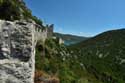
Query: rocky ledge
(17, 42)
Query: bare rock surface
(17, 51)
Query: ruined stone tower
(50, 30)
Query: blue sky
(80, 17)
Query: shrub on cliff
(15, 10)
(9, 10)
(52, 63)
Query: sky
(80, 17)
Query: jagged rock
(17, 50)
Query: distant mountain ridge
(104, 55)
(70, 39)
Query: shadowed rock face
(17, 43)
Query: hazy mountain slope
(70, 39)
(104, 56)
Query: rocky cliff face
(17, 53)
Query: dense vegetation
(15, 10)
(104, 56)
(100, 59)
(56, 60)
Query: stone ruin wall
(50, 30)
(17, 50)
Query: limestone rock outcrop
(17, 51)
